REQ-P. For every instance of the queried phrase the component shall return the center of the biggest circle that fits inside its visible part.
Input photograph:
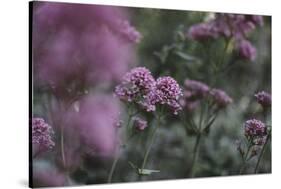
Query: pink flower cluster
(135, 86)
(195, 91)
(229, 25)
(264, 99)
(167, 92)
(41, 135)
(139, 86)
(255, 131)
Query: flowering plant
(116, 99)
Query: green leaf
(186, 57)
(147, 171)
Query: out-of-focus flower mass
(263, 98)
(235, 26)
(77, 44)
(97, 123)
(196, 91)
(247, 50)
(220, 97)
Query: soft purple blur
(193, 92)
(264, 99)
(97, 124)
(220, 97)
(247, 50)
(236, 26)
(75, 45)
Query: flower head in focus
(135, 86)
(264, 99)
(256, 131)
(167, 92)
(42, 135)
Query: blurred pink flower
(247, 50)
(202, 31)
(195, 89)
(76, 44)
(97, 124)
(220, 97)
(263, 99)
(226, 25)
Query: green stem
(116, 158)
(245, 160)
(195, 155)
(220, 63)
(62, 147)
(261, 154)
(151, 143)
(117, 155)
(227, 43)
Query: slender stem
(201, 117)
(117, 155)
(245, 160)
(151, 143)
(220, 62)
(195, 155)
(116, 158)
(62, 146)
(261, 154)
(227, 43)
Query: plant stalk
(261, 154)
